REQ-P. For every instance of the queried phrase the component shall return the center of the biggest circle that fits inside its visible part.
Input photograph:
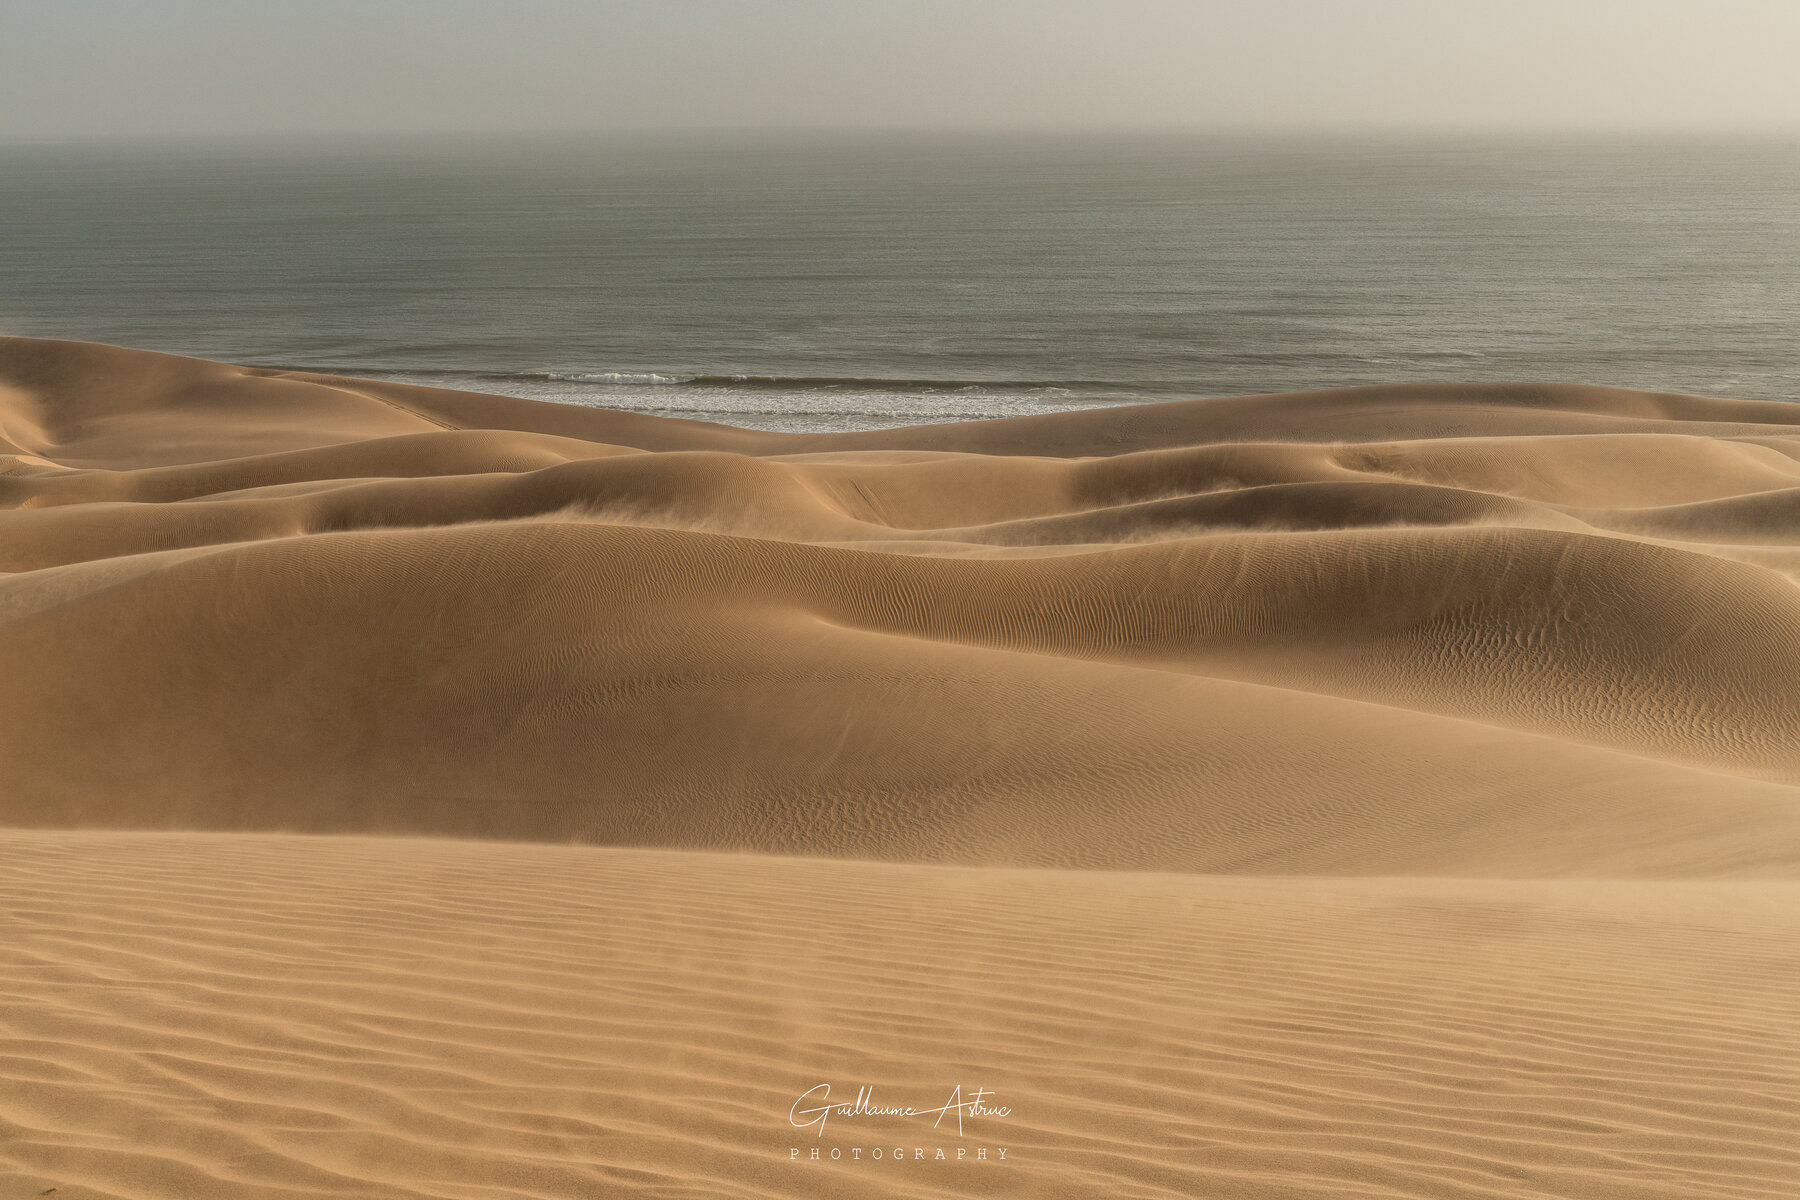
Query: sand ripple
(192, 1016)
(1392, 792)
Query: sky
(149, 68)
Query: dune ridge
(1381, 792)
(587, 625)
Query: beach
(1384, 791)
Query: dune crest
(1539, 640)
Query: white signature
(865, 1106)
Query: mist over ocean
(831, 283)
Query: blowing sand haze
(1383, 792)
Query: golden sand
(1383, 792)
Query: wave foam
(620, 378)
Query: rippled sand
(1384, 792)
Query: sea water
(851, 281)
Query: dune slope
(226, 1015)
(243, 599)
(1391, 792)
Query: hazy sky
(126, 67)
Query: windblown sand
(1383, 792)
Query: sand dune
(1457, 724)
(221, 1016)
(658, 641)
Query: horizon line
(1325, 130)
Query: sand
(1381, 792)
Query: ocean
(837, 281)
